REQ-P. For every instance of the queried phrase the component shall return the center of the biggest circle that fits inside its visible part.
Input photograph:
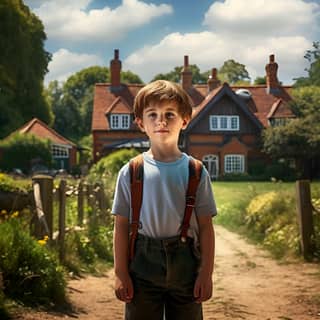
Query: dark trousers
(163, 274)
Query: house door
(211, 162)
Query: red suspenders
(136, 181)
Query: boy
(167, 274)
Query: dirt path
(248, 285)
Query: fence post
(62, 217)
(80, 203)
(45, 185)
(304, 210)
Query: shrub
(19, 151)
(112, 163)
(31, 272)
(271, 216)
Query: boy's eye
(152, 115)
(170, 115)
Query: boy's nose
(162, 120)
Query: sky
(154, 36)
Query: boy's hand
(203, 287)
(124, 288)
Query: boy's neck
(164, 155)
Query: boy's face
(162, 122)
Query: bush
(19, 151)
(271, 217)
(31, 272)
(112, 163)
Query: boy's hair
(159, 91)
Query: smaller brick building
(64, 152)
(227, 121)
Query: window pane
(234, 123)
(234, 163)
(214, 122)
(224, 122)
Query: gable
(108, 101)
(280, 109)
(41, 130)
(119, 106)
(223, 101)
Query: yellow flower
(42, 242)
(15, 214)
(3, 212)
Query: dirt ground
(248, 284)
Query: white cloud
(71, 21)
(65, 63)
(250, 18)
(247, 31)
(208, 50)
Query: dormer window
(224, 123)
(120, 121)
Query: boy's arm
(203, 285)
(123, 282)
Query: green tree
(300, 138)
(260, 80)
(23, 65)
(72, 101)
(130, 77)
(233, 72)
(313, 78)
(175, 75)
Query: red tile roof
(41, 130)
(260, 104)
(105, 98)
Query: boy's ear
(185, 123)
(139, 123)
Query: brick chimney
(213, 81)
(271, 76)
(186, 75)
(115, 69)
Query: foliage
(9, 184)
(21, 151)
(286, 141)
(175, 75)
(31, 272)
(86, 143)
(111, 164)
(260, 80)
(72, 101)
(130, 77)
(313, 78)
(233, 72)
(265, 212)
(23, 65)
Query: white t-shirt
(164, 197)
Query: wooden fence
(305, 211)
(95, 198)
(90, 196)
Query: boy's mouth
(162, 131)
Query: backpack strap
(195, 170)
(136, 182)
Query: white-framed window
(233, 163)
(276, 122)
(120, 121)
(224, 123)
(59, 151)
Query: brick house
(226, 124)
(64, 152)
